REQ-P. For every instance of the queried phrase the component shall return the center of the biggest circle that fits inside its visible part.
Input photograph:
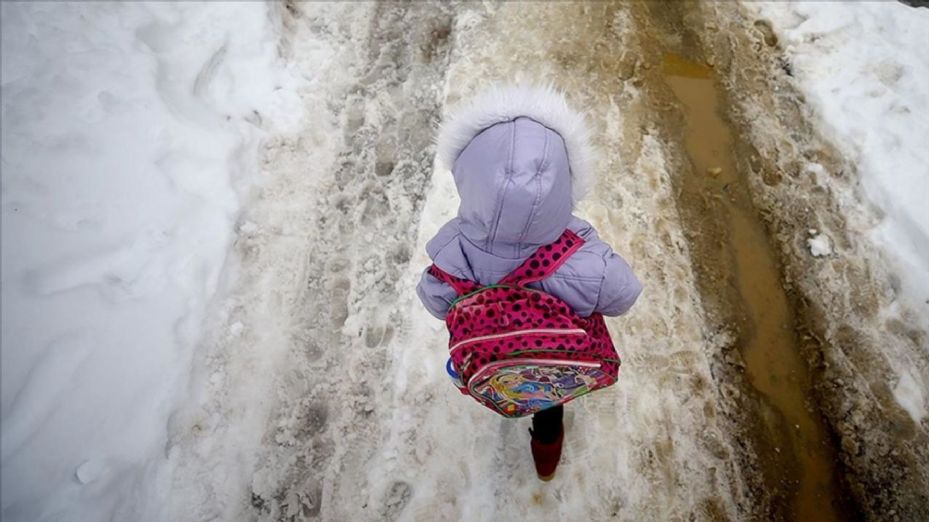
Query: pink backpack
(518, 350)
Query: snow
(819, 244)
(862, 67)
(89, 471)
(130, 133)
(908, 393)
(323, 392)
(207, 298)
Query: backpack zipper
(531, 331)
(479, 290)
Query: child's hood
(521, 160)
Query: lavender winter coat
(515, 184)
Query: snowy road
(318, 388)
(326, 363)
(322, 392)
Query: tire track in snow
(379, 178)
(858, 339)
(741, 282)
(285, 421)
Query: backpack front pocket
(522, 386)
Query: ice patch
(819, 245)
(89, 471)
(817, 171)
(909, 395)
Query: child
(522, 160)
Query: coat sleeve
(619, 288)
(436, 295)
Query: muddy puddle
(802, 463)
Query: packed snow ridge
(863, 68)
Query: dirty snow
(863, 68)
(332, 399)
(129, 133)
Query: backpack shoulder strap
(544, 261)
(461, 286)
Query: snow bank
(129, 133)
(863, 69)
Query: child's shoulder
(592, 242)
(583, 228)
(446, 234)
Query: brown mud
(858, 342)
(843, 354)
(741, 281)
(716, 190)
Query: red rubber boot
(546, 455)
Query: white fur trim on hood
(504, 103)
